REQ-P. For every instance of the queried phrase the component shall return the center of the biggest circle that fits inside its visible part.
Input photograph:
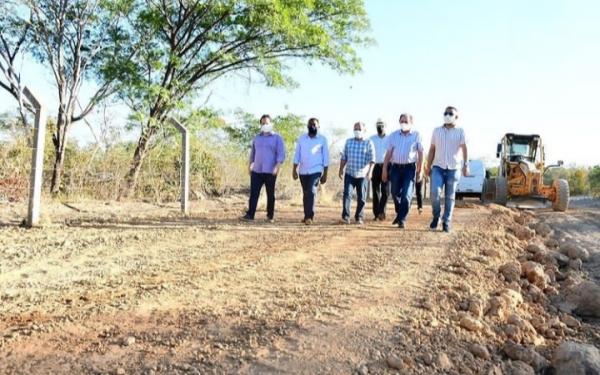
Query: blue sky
(512, 66)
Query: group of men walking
(394, 164)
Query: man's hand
(276, 170)
(324, 178)
(419, 176)
(249, 169)
(428, 172)
(295, 174)
(466, 171)
(384, 175)
(341, 174)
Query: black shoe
(434, 223)
(446, 227)
(345, 221)
(401, 225)
(396, 221)
(247, 218)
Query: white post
(37, 159)
(185, 165)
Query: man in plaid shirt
(358, 159)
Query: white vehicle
(472, 185)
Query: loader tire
(561, 203)
(501, 191)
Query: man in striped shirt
(357, 161)
(444, 166)
(405, 153)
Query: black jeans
(310, 185)
(419, 192)
(257, 180)
(381, 190)
(360, 184)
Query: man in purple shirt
(266, 156)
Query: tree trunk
(139, 156)
(59, 139)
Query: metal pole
(185, 165)
(37, 159)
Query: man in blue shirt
(266, 156)
(380, 188)
(357, 161)
(311, 161)
(405, 153)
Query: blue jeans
(402, 178)
(448, 179)
(257, 180)
(310, 185)
(360, 184)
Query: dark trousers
(419, 192)
(360, 184)
(381, 191)
(403, 178)
(310, 186)
(257, 180)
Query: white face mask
(404, 126)
(358, 134)
(449, 119)
(266, 128)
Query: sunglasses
(448, 113)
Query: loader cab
(517, 148)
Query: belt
(404, 165)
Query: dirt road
(136, 288)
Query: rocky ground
(135, 288)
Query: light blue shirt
(312, 154)
(405, 147)
(381, 146)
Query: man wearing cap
(311, 161)
(405, 153)
(444, 166)
(379, 187)
(266, 156)
(356, 167)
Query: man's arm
(325, 155)
(465, 153)
(279, 155)
(430, 158)
(342, 166)
(296, 160)
(251, 158)
(371, 156)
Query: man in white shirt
(311, 161)
(380, 188)
(444, 166)
(405, 154)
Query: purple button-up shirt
(267, 151)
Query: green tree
(578, 181)
(68, 37)
(594, 180)
(185, 45)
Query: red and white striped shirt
(447, 142)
